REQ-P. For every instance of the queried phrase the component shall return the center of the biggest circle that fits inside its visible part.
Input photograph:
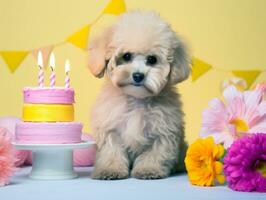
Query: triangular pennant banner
(80, 38)
(249, 76)
(13, 58)
(115, 7)
(199, 68)
(46, 51)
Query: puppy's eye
(127, 57)
(151, 60)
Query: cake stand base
(52, 161)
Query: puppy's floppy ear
(98, 53)
(180, 67)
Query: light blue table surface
(176, 187)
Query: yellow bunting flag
(13, 58)
(199, 68)
(115, 7)
(250, 76)
(80, 38)
(46, 51)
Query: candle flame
(67, 66)
(52, 61)
(40, 60)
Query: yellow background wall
(229, 34)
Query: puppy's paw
(110, 174)
(149, 173)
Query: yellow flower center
(261, 167)
(240, 124)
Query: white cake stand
(53, 161)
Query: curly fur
(139, 130)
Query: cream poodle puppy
(138, 120)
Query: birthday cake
(48, 112)
(48, 115)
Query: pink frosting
(47, 95)
(52, 133)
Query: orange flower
(202, 162)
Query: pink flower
(262, 86)
(243, 113)
(245, 164)
(7, 158)
(9, 123)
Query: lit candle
(41, 73)
(52, 66)
(67, 69)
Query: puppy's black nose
(138, 77)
